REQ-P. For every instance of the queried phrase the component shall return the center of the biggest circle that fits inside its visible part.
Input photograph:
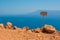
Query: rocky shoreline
(47, 32)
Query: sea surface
(31, 22)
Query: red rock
(26, 34)
(37, 30)
(1, 26)
(9, 25)
(15, 27)
(48, 29)
(25, 28)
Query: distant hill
(51, 13)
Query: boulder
(25, 28)
(9, 25)
(15, 27)
(29, 31)
(48, 29)
(37, 30)
(1, 26)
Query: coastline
(48, 32)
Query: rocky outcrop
(48, 32)
(9, 25)
(1, 26)
(15, 27)
(25, 28)
(36, 30)
(48, 29)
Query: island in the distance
(8, 32)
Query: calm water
(32, 22)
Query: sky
(26, 6)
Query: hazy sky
(26, 6)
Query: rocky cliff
(47, 32)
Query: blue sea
(31, 22)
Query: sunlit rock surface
(9, 25)
(26, 34)
(25, 28)
(37, 30)
(48, 29)
(1, 26)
